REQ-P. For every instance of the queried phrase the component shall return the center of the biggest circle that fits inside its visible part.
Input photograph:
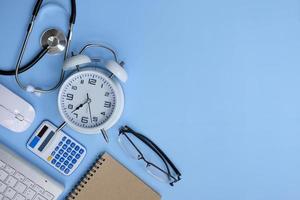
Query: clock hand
(80, 106)
(89, 104)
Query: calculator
(58, 149)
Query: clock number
(70, 106)
(76, 115)
(74, 87)
(84, 120)
(70, 97)
(92, 81)
(103, 113)
(106, 94)
(102, 85)
(95, 119)
(107, 104)
(81, 81)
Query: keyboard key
(77, 156)
(28, 182)
(3, 175)
(20, 187)
(48, 195)
(68, 141)
(61, 152)
(64, 138)
(11, 181)
(56, 148)
(10, 193)
(19, 197)
(65, 146)
(19, 176)
(38, 189)
(65, 155)
(66, 162)
(39, 197)
(9, 169)
(74, 161)
(2, 165)
(59, 144)
(61, 160)
(70, 158)
(70, 166)
(2, 187)
(29, 194)
(57, 156)
(72, 145)
(53, 153)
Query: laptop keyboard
(16, 186)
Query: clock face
(87, 100)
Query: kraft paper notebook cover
(109, 180)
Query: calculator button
(64, 138)
(65, 146)
(57, 156)
(70, 166)
(62, 168)
(58, 164)
(74, 161)
(56, 148)
(53, 161)
(70, 158)
(61, 160)
(77, 156)
(66, 162)
(67, 171)
(53, 153)
(65, 155)
(68, 141)
(72, 145)
(69, 150)
(61, 151)
(73, 153)
(81, 151)
(77, 148)
(60, 143)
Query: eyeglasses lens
(127, 147)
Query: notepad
(109, 180)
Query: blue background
(213, 83)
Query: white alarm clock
(91, 100)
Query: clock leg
(105, 136)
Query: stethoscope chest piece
(54, 40)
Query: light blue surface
(214, 83)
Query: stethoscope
(53, 41)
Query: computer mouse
(15, 113)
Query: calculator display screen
(46, 141)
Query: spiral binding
(86, 178)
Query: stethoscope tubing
(20, 69)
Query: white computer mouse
(15, 113)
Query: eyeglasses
(157, 163)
